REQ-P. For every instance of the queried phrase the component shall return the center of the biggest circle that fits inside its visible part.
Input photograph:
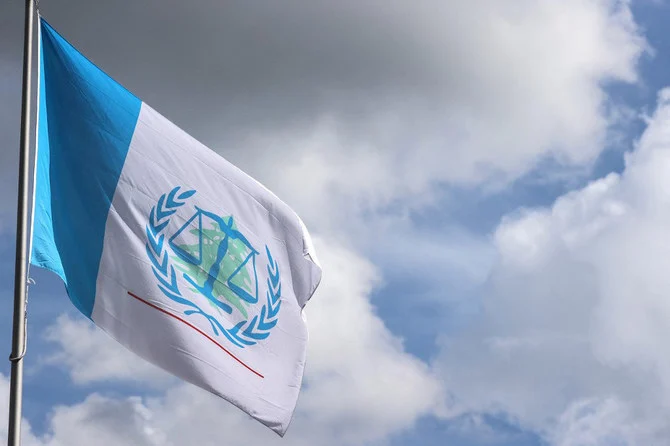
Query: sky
(488, 187)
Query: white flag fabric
(166, 246)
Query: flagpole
(20, 268)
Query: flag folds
(166, 246)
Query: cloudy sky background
(488, 184)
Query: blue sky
(457, 160)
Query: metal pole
(20, 268)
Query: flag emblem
(208, 266)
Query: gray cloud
(428, 91)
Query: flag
(167, 247)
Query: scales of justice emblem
(209, 256)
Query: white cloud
(103, 421)
(28, 439)
(357, 373)
(571, 338)
(91, 356)
(604, 422)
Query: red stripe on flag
(196, 329)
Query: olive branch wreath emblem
(245, 333)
